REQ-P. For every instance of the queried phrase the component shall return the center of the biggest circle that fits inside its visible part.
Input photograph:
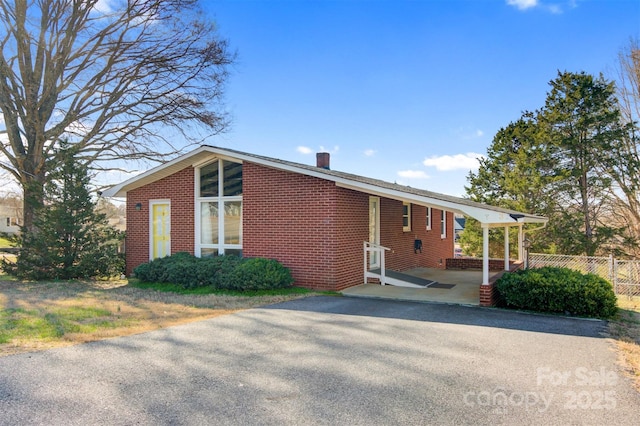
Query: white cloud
(445, 163)
(335, 149)
(555, 8)
(304, 150)
(104, 6)
(468, 133)
(413, 174)
(369, 152)
(308, 150)
(523, 4)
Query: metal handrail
(372, 247)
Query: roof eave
(492, 216)
(151, 175)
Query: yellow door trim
(159, 228)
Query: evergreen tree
(582, 121)
(70, 240)
(514, 175)
(552, 163)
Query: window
(443, 224)
(428, 218)
(219, 209)
(8, 221)
(406, 217)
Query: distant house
(458, 225)
(10, 219)
(118, 222)
(326, 226)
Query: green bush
(257, 274)
(558, 290)
(220, 272)
(178, 268)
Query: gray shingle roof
(482, 212)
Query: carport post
(506, 248)
(485, 254)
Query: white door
(374, 230)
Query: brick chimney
(323, 160)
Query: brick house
(326, 226)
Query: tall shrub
(69, 239)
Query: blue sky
(406, 91)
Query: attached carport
(490, 217)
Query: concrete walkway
(466, 290)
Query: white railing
(378, 253)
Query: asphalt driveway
(331, 360)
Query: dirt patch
(131, 310)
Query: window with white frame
(219, 208)
(406, 217)
(428, 218)
(443, 224)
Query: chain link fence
(626, 278)
(624, 275)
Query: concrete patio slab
(466, 290)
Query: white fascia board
(486, 215)
(483, 215)
(194, 159)
(151, 175)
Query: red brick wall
(474, 263)
(309, 225)
(291, 218)
(435, 250)
(352, 232)
(488, 294)
(178, 188)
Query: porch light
(138, 206)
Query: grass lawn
(43, 315)
(625, 328)
(5, 243)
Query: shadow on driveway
(448, 314)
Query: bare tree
(110, 76)
(624, 162)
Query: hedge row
(558, 290)
(221, 272)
